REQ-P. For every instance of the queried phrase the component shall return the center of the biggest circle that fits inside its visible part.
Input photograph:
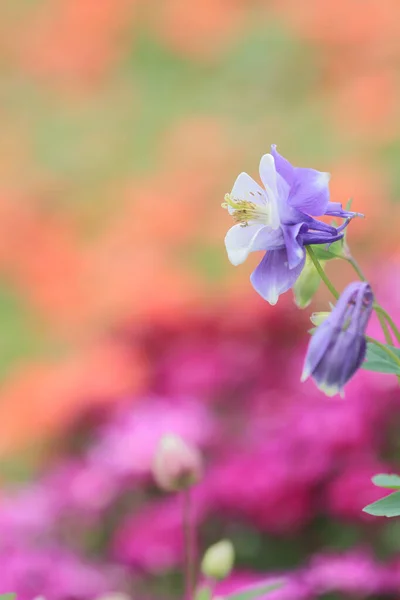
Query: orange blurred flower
(366, 185)
(199, 29)
(72, 42)
(40, 254)
(367, 105)
(344, 22)
(39, 400)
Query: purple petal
(334, 209)
(316, 349)
(294, 246)
(310, 191)
(240, 241)
(273, 277)
(315, 224)
(283, 166)
(320, 237)
(338, 365)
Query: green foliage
(8, 596)
(379, 361)
(388, 481)
(328, 252)
(389, 506)
(21, 337)
(255, 592)
(250, 593)
(203, 593)
(307, 284)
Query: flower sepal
(317, 318)
(307, 284)
(330, 251)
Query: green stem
(384, 327)
(381, 311)
(321, 272)
(356, 267)
(189, 541)
(388, 351)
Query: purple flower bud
(337, 348)
(176, 465)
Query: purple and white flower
(338, 346)
(277, 218)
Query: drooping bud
(218, 560)
(338, 346)
(176, 464)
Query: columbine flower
(277, 218)
(337, 348)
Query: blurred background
(123, 123)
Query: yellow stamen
(244, 211)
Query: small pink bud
(176, 464)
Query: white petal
(245, 188)
(268, 177)
(268, 173)
(239, 242)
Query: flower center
(244, 211)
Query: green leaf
(328, 252)
(385, 480)
(203, 593)
(307, 284)
(10, 596)
(348, 204)
(389, 506)
(255, 591)
(379, 361)
(317, 318)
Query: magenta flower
(127, 443)
(53, 572)
(352, 573)
(338, 346)
(277, 218)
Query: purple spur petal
(273, 276)
(308, 188)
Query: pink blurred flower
(354, 572)
(261, 487)
(128, 442)
(54, 573)
(352, 489)
(152, 537)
